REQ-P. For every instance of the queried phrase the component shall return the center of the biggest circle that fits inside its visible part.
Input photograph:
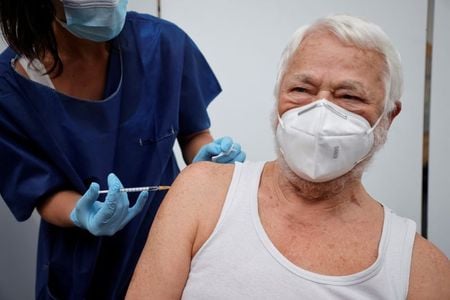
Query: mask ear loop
(281, 123)
(376, 123)
(372, 129)
(280, 120)
(379, 119)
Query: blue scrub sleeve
(198, 88)
(26, 175)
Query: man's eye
(300, 90)
(351, 97)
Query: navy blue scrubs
(158, 87)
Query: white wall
(243, 39)
(147, 6)
(439, 164)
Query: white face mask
(322, 141)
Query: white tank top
(238, 261)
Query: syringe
(140, 189)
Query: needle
(140, 189)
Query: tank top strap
(238, 202)
(399, 251)
(244, 185)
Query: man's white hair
(361, 34)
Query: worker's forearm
(56, 209)
(191, 145)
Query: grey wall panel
(18, 249)
(243, 40)
(148, 6)
(439, 163)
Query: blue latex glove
(108, 217)
(222, 150)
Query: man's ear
(394, 113)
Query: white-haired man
(303, 226)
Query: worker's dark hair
(27, 28)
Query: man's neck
(302, 199)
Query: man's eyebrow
(348, 84)
(304, 78)
(351, 85)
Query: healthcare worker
(92, 96)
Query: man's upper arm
(430, 272)
(195, 199)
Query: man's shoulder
(202, 184)
(206, 180)
(427, 254)
(207, 172)
(196, 199)
(430, 271)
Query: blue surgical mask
(95, 20)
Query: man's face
(323, 67)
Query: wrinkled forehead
(322, 62)
(320, 35)
(326, 47)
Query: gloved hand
(222, 150)
(108, 217)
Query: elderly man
(303, 226)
